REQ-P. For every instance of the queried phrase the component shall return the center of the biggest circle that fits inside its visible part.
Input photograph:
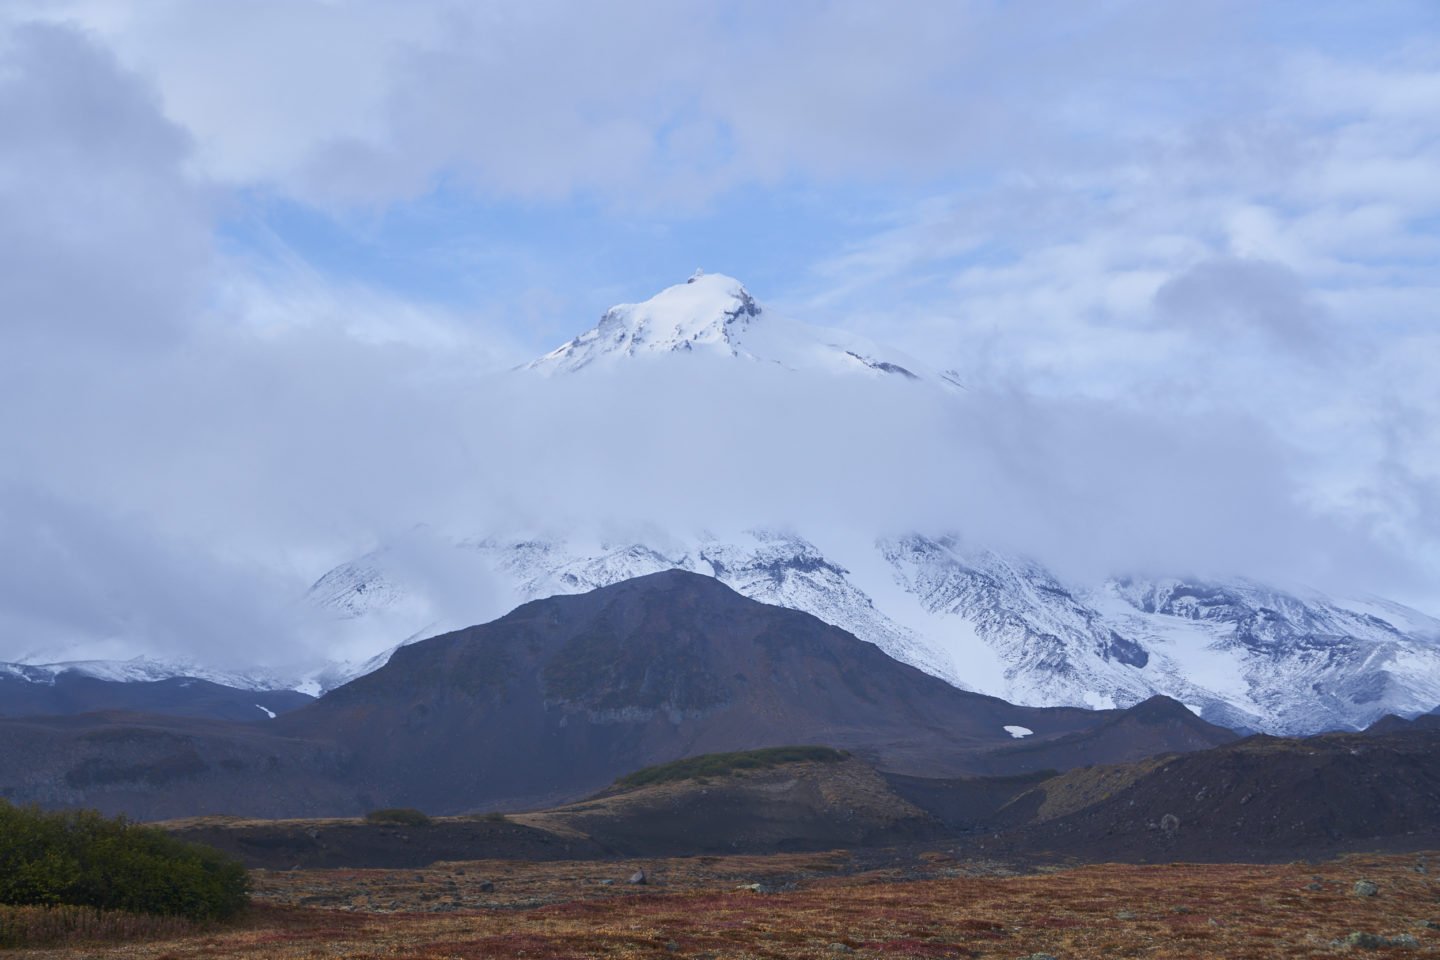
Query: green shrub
(725, 764)
(405, 816)
(85, 859)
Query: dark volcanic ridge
(68, 693)
(1260, 799)
(557, 699)
(1390, 723)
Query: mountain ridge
(1254, 658)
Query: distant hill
(1155, 726)
(791, 804)
(150, 766)
(1262, 798)
(805, 805)
(1390, 723)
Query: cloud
(1271, 265)
(652, 104)
(218, 482)
(104, 239)
(1124, 271)
(1228, 296)
(80, 582)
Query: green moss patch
(404, 816)
(725, 764)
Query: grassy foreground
(930, 906)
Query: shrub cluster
(405, 816)
(724, 764)
(86, 859)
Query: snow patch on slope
(146, 670)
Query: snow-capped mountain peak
(709, 312)
(714, 315)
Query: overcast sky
(259, 261)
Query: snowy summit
(714, 315)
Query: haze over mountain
(260, 324)
(1247, 654)
(726, 436)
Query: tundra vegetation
(935, 903)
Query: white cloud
(103, 238)
(650, 103)
(1230, 297)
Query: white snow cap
(709, 312)
(713, 315)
